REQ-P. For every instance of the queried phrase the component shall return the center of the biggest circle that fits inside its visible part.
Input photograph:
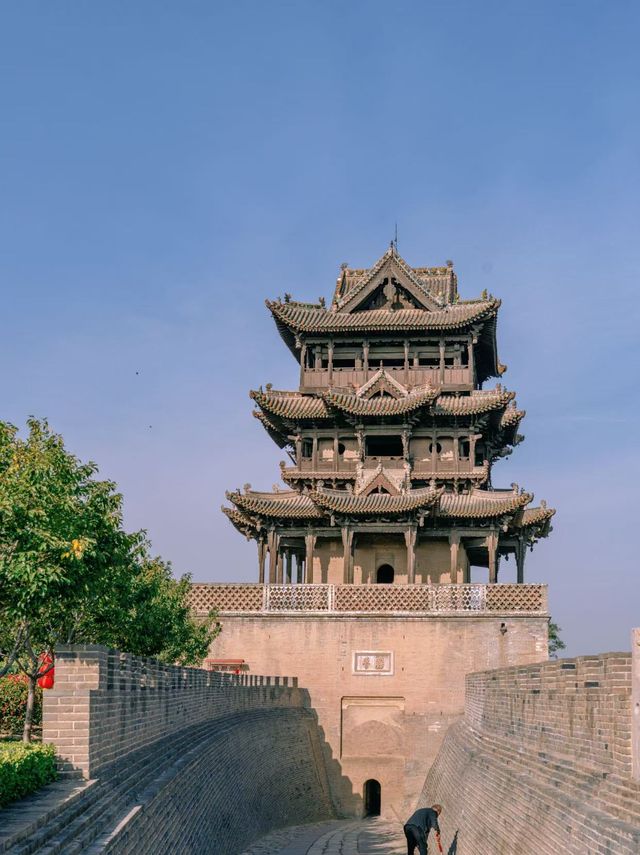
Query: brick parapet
(575, 707)
(106, 704)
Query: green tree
(555, 642)
(68, 570)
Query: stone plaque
(373, 662)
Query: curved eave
(293, 319)
(289, 406)
(534, 521)
(379, 407)
(276, 434)
(286, 505)
(244, 524)
(472, 405)
(509, 424)
(482, 504)
(382, 504)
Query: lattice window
(226, 598)
(298, 598)
(425, 599)
(382, 598)
(516, 598)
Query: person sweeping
(418, 826)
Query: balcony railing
(318, 378)
(470, 599)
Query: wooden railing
(470, 599)
(318, 378)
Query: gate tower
(391, 437)
(368, 584)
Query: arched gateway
(372, 797)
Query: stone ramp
(86, 818)
(346, 837)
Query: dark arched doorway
(385, 574)
(372, 797)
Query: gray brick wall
(106, 704)
(541, 762)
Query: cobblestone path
(350, 837)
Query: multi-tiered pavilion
(391, 438)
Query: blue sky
(164, 167)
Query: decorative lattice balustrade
(467, 599)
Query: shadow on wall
(197, 762)
(251, 774)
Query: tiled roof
(289, 504)
(375, 503)
(473, 404)
(293, 405)
(476, 504)
(358, 284)
(242, 522)
(386, 406)
(481, 504)
(511, 416)
(534, 516)
(302, 318)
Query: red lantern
(47, 680)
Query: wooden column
(492, 548)
(335, 452)
(279, 567)
(406, 362)
(365, 359)
(330, 349)
(406, 439)
(472, 364)
(262, 554)
(441, 361)
(347, 547)
(273, 542)
(520, 554)
(303, 359)
(454, 547)
(287, 566)
(309, 545)
(434, 454)
(314, 453)
(410, 536)
(299, 568)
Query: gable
(389, 285)
(381, 484)
(380, 385)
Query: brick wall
(580, 707)
(255, 775)
(541, 762)
(186, 760)
(106, 704)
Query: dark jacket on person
(425, 819)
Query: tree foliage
(70, 573)
(556, 644)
